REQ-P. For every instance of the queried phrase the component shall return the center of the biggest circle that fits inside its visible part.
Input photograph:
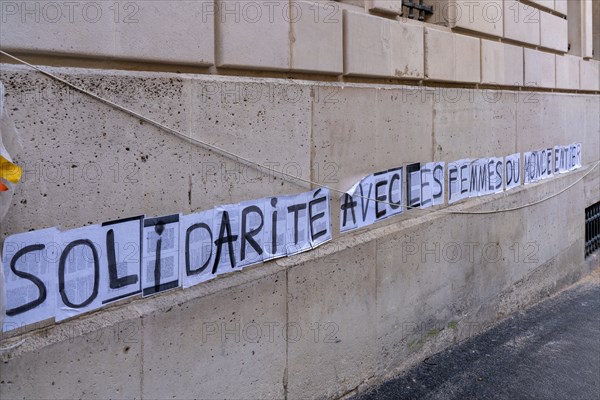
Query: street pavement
(550, 351)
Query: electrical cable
(247, 161)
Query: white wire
(12, 346)
(259, 165)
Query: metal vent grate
(592, 229)
(418, 6)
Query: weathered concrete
(143, 32)
(549, 351)
(376, 305)
(502, 64)
(545, 119)
(567, 72)
(428, 264)
(239, 25)
(384, 6)
(452, 57)
(50, 27)
(462, 115)
(349, 38)
(590, 74)
(549, 4)
(486, 17)
(105, 363)
(521, 22)
(553, 32)
(561, 6)
(540, 69)
(317, 39)
(192, 348)
(333, 301)
(382, 48)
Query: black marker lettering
(61, 273)
(274, 226)
(485, 177)
(188, 268)
(438, 194)
(349, 203)
(295, 209)
(394, 204)
(491, 173)
(229, 239)
(452, 177)
(410, 170)
(114, 281)
(475, 183)
(380, 213)
(424, 184)
(159, 229)
(25, 275)
(542, 162)
(463, 167)
(249, 236)
(509, 172)
(362, 201)
(499, 165)
(312, 218)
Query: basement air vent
(418, 6)
(592, 229)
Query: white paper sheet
(478, 177)
(349, 212)
(548, 170)
(496, 175)
(80, 271)
(255, 221)
(127, 238)
(427, 185)
(359, 206)
(297, 234)
(227, 255)
(579, 156)
(459, 177)
(395, 179)
(530, 167)
(438, 183)
(319, 217)
(512, 171)
(167, 269)
(413, 185)
(365, 196)
(196, 248)
(23, 301)
(454, 182)
(274, 231)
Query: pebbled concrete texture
(374, 311)
(502, 64)
(113, 356)
(229, 333)
(343, 38)
(462, 114)
(547, 352)
(458, 277)
(336, 296)
(142, 32)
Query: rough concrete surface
(550, 351)
(367, 305)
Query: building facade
(323, 93)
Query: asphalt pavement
(550, 351)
